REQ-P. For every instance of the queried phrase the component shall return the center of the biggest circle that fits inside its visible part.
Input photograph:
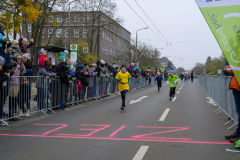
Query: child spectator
(23, 44)
(42, 58)
(15, 49)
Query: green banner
(162, 68)
(223, 18)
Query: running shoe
(170, 98)
(232, 136)
(234, 140)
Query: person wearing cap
(23, 44)
(15, 49)
(124, 79)
(172, 80)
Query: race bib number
(173, 83)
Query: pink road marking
(141, 136)
(94, 130)
(117, 131)
(117, 139)
(62, 126)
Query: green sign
(162, 68)
(223, 18)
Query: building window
(50, 19)
(103, 49)
(50, 32)
(66, 32)
(59, 19)
(85, 33)
(104, 35)
(85, 48)
(29, 27)
(66, 45)
(77, 19)
(67, 19)
(76, 32)
(59, 32)
(86, 18)
(43, 33)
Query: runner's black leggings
(159, 85)
(172, 91)
(123, 95)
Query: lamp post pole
(136, 41)
(69, 27)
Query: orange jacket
(234, 83)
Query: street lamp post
(69, 27)
(136, 41)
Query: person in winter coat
(234, 85)
(62, 72)
(3, 78)
(24, 95)
(6, 55)
(23, 44)
(15, 81)
(3, 43)
(81, 75)
(91, 84)
(43, 58)
(124, 79)
(42, 85)
(15, 49)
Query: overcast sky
(180, 22)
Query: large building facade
(102, 35)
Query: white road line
(141, 152)
(178, 92)
(164, 115)
(180, 88)
(174, 99)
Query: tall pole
(69, 27)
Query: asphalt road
(152, 129)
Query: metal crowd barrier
(219, 95)
(22, 96)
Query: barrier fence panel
(218, 89)
(22, 96)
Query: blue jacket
(159, 78)
(28, 72)
(1, 38)
(72, 73)
(113, 72)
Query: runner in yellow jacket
(124, 79)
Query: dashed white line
(164, 115)
(178, 92)
(141, 152)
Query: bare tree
(97, 15)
